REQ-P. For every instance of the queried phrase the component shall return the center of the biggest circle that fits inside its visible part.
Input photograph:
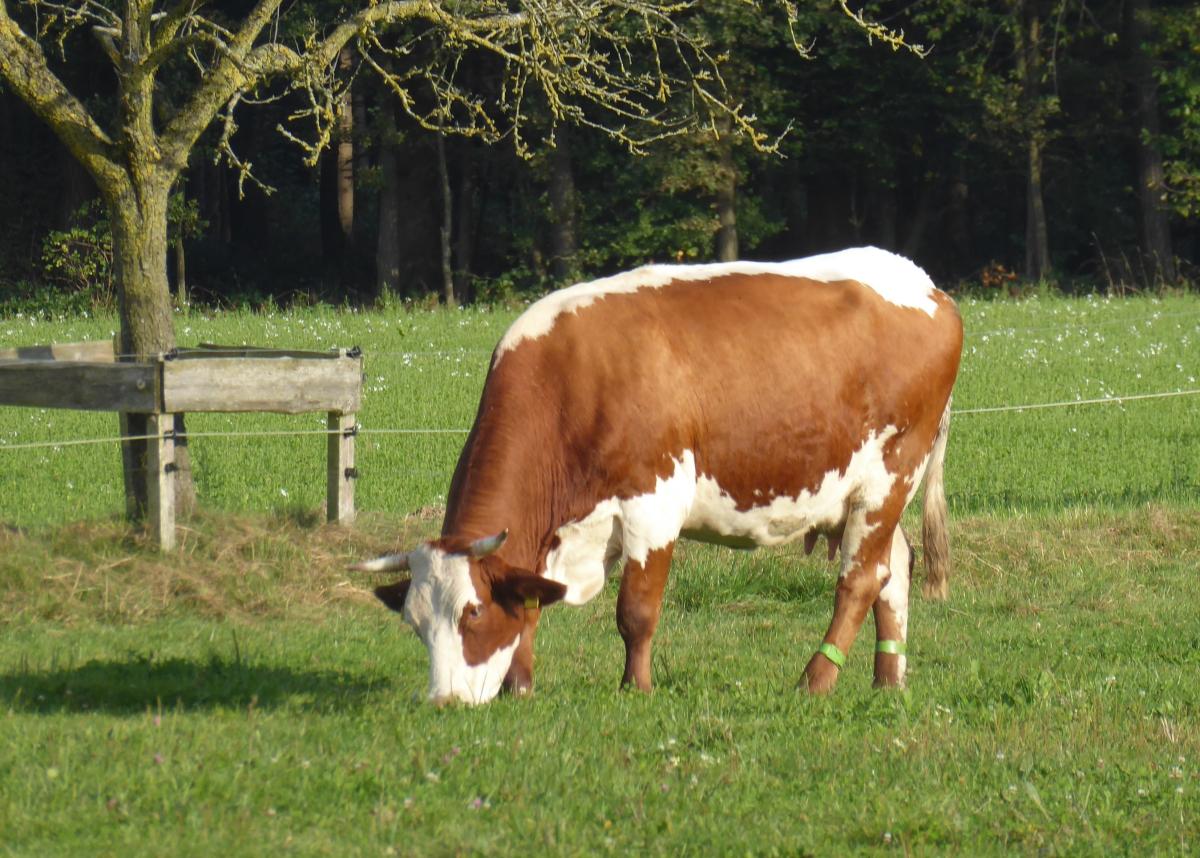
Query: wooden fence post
(131, 473)
(151, 398)
(339, 503)
(160, 479)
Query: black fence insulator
(170, 468)
(352, 473)
(351, 432)
(355, 352)
(171, 355)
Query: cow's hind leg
(891, 615)
(864, 569)
(639, 604)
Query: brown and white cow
(745, 404)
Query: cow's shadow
(138, 684)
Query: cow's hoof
(889, 672)
(518, 685)
(819, 676)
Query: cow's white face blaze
(443, 605)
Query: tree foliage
(821, 136)
(1177, 49)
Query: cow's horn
(387, 563)
(487, 545)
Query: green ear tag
(892, 647)
(532, 604)
(832, 653)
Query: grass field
(246, 697)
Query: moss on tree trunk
(139, 235)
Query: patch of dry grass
(246, 566)
(226, 566)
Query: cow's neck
(501, 485)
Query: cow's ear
(524, 587)
(393, 595)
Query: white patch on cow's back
(895, 278)
(695, 505)
(441, 588)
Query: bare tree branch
(878, 32)
(637, 70)
(24, 67)
(174, 19)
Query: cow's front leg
(639, 604)
(863, 574)
(519, 679)
(891, 615)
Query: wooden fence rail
(209, 378)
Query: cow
(745, 404)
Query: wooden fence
(208, 378)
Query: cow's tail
(935, 534)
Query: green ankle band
(832, 653)
(891, 647)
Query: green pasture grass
(1051, 706)
(246, 696)
(425, 369)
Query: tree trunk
(884, 211)
(362, 165)
(332, 242)
(139, 235)
(447, 223)
(727, 236)
(77, 187)
(1037, 238)
(1153, 221)
(139, 232)
(387, 248)
(918, 222)
(564, 266)
(958, 221)
(181, 289)
(1029, 68)
(345, 172)
(464, 238)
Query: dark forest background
(1037, 142)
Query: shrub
(80, 258)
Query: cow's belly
(777, 520)
(685, 503)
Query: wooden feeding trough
(208, 378)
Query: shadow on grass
(136, 685)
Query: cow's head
(470, 608)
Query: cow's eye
(474, 612)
